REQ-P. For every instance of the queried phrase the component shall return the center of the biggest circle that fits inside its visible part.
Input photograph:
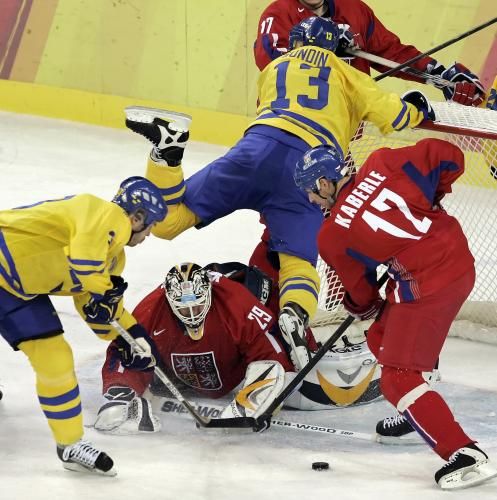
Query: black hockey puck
(320, 466)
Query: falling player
(72, 246)
(307, 97)
(390, 213)
(359, 29)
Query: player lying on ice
(213, 333)
(72, 246)
(389, 214)
(307, 97)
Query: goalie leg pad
(264, 380)
(126, 413)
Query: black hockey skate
(166, 130)
(466, 467)
(396, 430)
(84, 457)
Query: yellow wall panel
(194, 55)
(217, 55)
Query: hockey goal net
(473, 202)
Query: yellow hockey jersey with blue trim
(313, 94)
(69, 246)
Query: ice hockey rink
(43, 159)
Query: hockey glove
(103, 308)
(468, 89)
(362, 313)
(126, 413)
(419, 100)
(293, 321)
(346, 41)
(144, 358)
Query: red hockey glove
(468, 89)
(362, 313)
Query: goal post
(473, 202)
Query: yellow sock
(57, 386)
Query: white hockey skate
(166, 130)
(84, 457)
(466, 467)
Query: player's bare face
(313, 5)
(139, 231)
(139, 237)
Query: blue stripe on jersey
(370, 30)
(369, 264)
(406, 293)
(45, 201)
(175, 201)
(11, 276)
(91, 271)
(428, 183)
(62, 415)
(85, 262)
(59, 400)
(400, 116)
(299, 286)
(268, 48)
(172, 190)
(276, 113)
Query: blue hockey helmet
(316, 163)
(315, 31)
(139, 195)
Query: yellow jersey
(64, 247)
(316, 96)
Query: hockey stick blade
(168, 406)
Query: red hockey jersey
(235, 334)
(369, 33)
(389, 213)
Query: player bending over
(307, 97)
(213, 333)
(72, 246)
(390, 214)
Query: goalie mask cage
(473, 202)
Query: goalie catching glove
(293, 321)
(142, 357)
(264, 381)
(126, 413)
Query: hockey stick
(435, 49)
(433, 79)
(200, 420)
(262, 421)
(168, 406)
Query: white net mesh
(473, 202)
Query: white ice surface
(43, 159)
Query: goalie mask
(188, 291)
(346, 376)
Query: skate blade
(408, 439)
(79, 468)
(466, 478)
(179, 121)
